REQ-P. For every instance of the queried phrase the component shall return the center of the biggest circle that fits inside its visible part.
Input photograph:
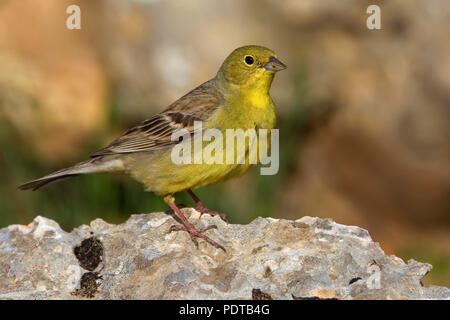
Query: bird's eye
(249, 60)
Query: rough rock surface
(266, 259)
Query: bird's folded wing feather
(155, 133)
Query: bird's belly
(170, 178)
(163, 176)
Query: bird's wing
(155, 133)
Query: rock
(310, 258)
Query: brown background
(363, 114)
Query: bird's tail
(96, 165)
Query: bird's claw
(197, 233)
(204, 210)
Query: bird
(237, 97)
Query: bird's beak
(274, 65)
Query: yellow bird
(236, 98)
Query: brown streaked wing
(155, 133)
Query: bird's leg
(189, 227)
(203, 209)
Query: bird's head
(250, 67)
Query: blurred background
(364, 115)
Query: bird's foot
(197, 233)
(204, 210)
